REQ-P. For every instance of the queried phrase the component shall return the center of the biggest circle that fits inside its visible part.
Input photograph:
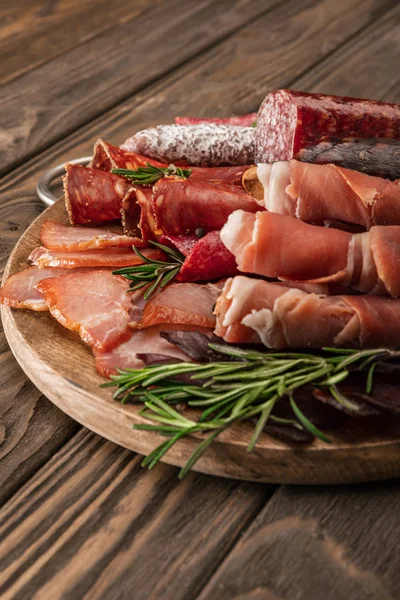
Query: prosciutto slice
(181, 304)
(317, 193)
(252, 310)
(285, 248)
(19, 290)
(63, 238)
(92, 195)
(108, 257)
(94, 304)
(206, 258)
(125, 356)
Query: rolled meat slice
(318, 193)
(92, 195)
(257, 311)
(243, 121)
(285, 248)
(207, 258)
(289, 121)
(374, 156)
(204, 145)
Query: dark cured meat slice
(206, 258)
(376, 156)
(243, 121)
(137, 215)
(92, 195)
(181, 205)
(289, 120)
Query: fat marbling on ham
(285, 248)
(317, 193)
(254, 311)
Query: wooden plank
(332, 543)
(32, 33)
(47, 103)
(103, 527)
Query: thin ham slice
(94, 304)
(243, 121)
(251, 310)
(181, 304)
(285, 248)
(317, 193)
(125, 356)
(92, 195)
(64, 238)
(108, 257)
(19, 290)
(207, 258)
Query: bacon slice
(56, 236)
(243, 121)
(109, 257)
(94, 304)
(206, 258)
(19, 290)
(92, 195)
(181, 304)
(318, 193)
(125, 356)
(251, 310)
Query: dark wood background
(79, 518)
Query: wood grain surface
(351, 543)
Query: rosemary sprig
(150, 174)
(248, 386)
(152, 274)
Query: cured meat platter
(238, 312)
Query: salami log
(254, 311)
(205, 145)
(92, 195)
(243, 121)
(289, 121)
(207, 258)
(373, 156)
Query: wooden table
(79, 518)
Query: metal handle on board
(43, 185)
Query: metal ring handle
(43, 189)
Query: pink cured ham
(92, 195)
(94, 304)
(19, 290)
(125, 356)
(203, 145)
(63, 238)
(181, 206)
(318, 193)
(206, 258)
(108, 257)
(285, 248)
(184, 304)
(254, 311)
(243, 121)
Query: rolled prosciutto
(318, 193)
(204, 145)
(289, 121)
(257, 311)
(285, 248)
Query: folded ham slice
(94, 304)
(19, 290)
(107, 257)
(318, 193)
(254, 311)
(125, 356)
(64, 238)
(285, 248)
(181, 304)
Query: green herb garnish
(150, 174)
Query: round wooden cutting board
(63, 369)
